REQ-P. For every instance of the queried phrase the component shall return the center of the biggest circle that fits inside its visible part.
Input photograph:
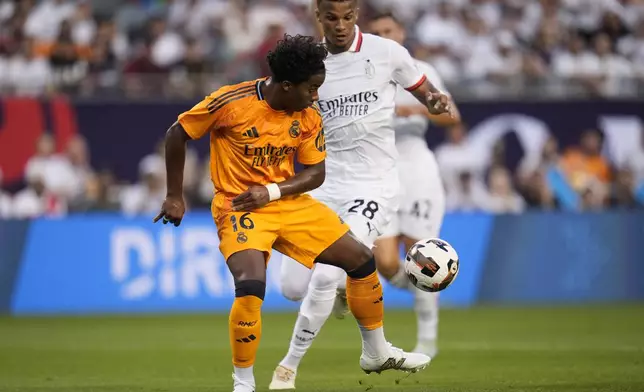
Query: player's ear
(287, 86)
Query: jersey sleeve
(405, 72)
(204, 117)
(312, 149)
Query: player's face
(303, 95)
(387, 28)
(338, 21)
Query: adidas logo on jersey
(250, 133)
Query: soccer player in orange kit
(256, 129)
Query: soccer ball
(431, 264)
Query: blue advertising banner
(565, 257)
(106, 263)
(12, 238)
(112, 264)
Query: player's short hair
(385, 15)
(355, 2)
(296, 59)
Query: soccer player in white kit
(362, 185)
(422, 199)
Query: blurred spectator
(44, 21)
(83, 24)
(624, 190)
(275, 33)
(99, 195)
(54, 170)
(65, 58)
(35, 200)
(467, 195)
(28, 74)
(438, 31)
(148, 194)
(502, 198)
(167, 47)
(585, 168)
(455, 157)
(5, 201)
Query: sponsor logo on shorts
(242, 237)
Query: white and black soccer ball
(431, 264)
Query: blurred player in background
(362, 186)
(422, 199)
(256, 128)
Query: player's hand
(438, 103)
(255, 197)
(172, 210)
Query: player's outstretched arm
(311, 177)
(174, 207)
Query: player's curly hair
(296, 59)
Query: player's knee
(329, 280)
(365, 269)
(387, 266)
(293, 289)
(244, 288)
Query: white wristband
(274, 192)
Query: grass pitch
(584, 349)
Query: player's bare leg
(390, 266)
(245, 324)
(364, 295)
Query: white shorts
(422, 199)
(367, 216)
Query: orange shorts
(297, 226)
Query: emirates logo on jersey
(356, 105)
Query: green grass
(583, 349)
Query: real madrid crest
(369, 69)
(294, 131)
(242, 237)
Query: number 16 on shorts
(245, 222)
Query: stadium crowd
(190, 47)
(577, 179)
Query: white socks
(245, 375)
(426, 307)
(374, 344)
(315, 310)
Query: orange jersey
(251, 143)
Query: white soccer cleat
(340, 305)
(242, 386)
(283, 379)
(396, 360)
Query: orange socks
(365, 301)
(245, 329)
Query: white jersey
(357, 102)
